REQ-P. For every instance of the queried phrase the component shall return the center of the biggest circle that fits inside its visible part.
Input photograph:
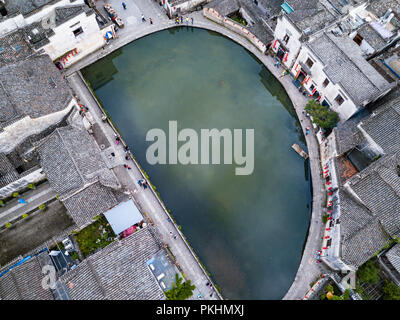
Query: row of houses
(330, 46)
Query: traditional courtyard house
(335, 73)
(34, 100)
(67, 30)
(298, 21)
(380, 26)
(75, 166)
(363, 181)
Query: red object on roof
(128, 232)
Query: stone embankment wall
(213, 15)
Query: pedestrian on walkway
(175, 236)
(125, 166)
(113, 154)
(151, 21)
(171, 234)
(187, 20)
(126, 157)
(181, 19)
(177, 20)
(192, 20)
(126, 148)
(124, 5)
(143, 18)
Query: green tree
(322, 115)
(31, 186)
(179, 290)
(391, 291)
(368, 273)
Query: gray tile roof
(26, 7)
(372, 37)
(66, 13)
(353, 216)
(32, 87)
(380, 7)
(71, 159)
(362, 245)
(310, 16)
(344, 65)
(118, 272)
(13, 48)
(90, 202)
(393, 256)
(77, 172)
(24, 282)
(378, 187)
(384, 126)
(8, 173)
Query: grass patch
(95, 236)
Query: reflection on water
(247, 230)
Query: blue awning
(123, 216)
(288, 9)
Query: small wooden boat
(300, 151)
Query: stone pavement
(308, 270)
(34, 198)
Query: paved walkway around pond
(308, 270)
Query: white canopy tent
(123, 216)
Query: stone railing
(213, 15)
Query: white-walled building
(298, 20)
(67, 30)
(335, 73)
(177, 7)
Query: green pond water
(248, 231)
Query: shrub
(31, 186)
(25, 215)
(368, 273)
(391, 291)
(2, 203)
(15, 194)
(322, 115)
(179, 290)
(325, 218)
(7, 225)
(42, 207)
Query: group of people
(180, 20)
(143, 183)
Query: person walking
(143, 18)
(124, 5)
(192, 20)
(151, 21)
